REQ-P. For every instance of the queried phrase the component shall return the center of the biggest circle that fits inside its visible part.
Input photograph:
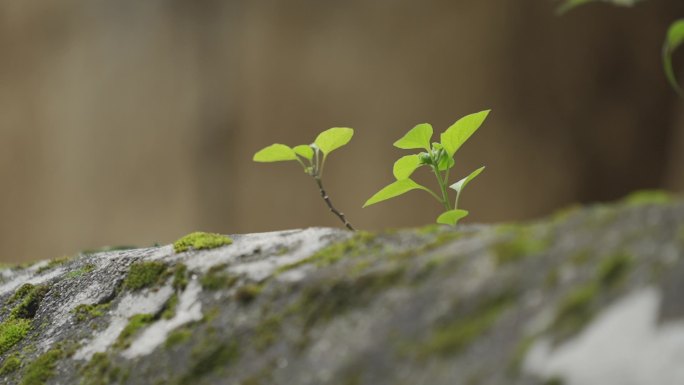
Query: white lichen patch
(278, 248)
(29, 277)
(189, 309)
(146, 302)
(624, 345)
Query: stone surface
(591, 296)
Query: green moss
(453, 337)
(170, 307)
(144, 274)
(554, 381)
(135, 323)
(208, 360)
(648, 197)
(613, 270)
(360, 243)
(200, 240)
(53, 263)
(267, 332)
(31, 297)
(178, 336)
(83, 270)
(248, 292)
(42, 368)
(100, 371)
(519, 355)
(21, 292)
(180, 277)
(575, 310)
(11, 364)
(85, 312)
(217, 278)
(521, 243)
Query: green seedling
(312, 158)
(674, 39)
(439, 157)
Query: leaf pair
(326, 142)
(439, 157)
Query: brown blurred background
(134, 122)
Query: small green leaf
(452, 217)
(675, 38)
(275, 153)
(394, 190)
(418, 137)
(445, 163)
(333, 138)
(305, 151)
(405, 166)
(454, 136)
(460, 185)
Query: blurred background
(135, 122)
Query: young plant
(439, 157)
(312, 158)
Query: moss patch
(11, 364)
(85, 312)
(170, 307)
(30, 299)
(83, 270)
(267, 332)
(575, 310)
(53, 263)
(452, 337)
(217, 278)
(100, 371)
(12, 331)
(135, 323)
(42, 368)
(207, 361)
(360, 243)
(613, 270)
(248, 292)
(144, 274)
(521, 243)
(200, 240)
(180, 277)
(177, 337)
(648, 197)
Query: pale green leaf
(305, 151)
(333, 138)
(405, 166)
(454, 136)
(452, 217)
(394, 190)
(418, 137)
(675, 38)
(275, 153)
(460, 185)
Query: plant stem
(442, 187)
(332, 208)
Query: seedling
(439, 157)
(312, 158)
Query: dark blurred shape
(135, 122)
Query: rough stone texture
(591, 296)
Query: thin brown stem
(332, 208)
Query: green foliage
(675, 38)
(200, 240)
(312, 158)
(437, 156)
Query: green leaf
(418, 137)
(305, 151)
(454, 136)
(405, 166)
(275, 153)
(394, 190)
(567, 5)
(460, 185)
(333, 138)
(675, 38)
(445, 163)
(452, 217)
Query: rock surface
(592, 296)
